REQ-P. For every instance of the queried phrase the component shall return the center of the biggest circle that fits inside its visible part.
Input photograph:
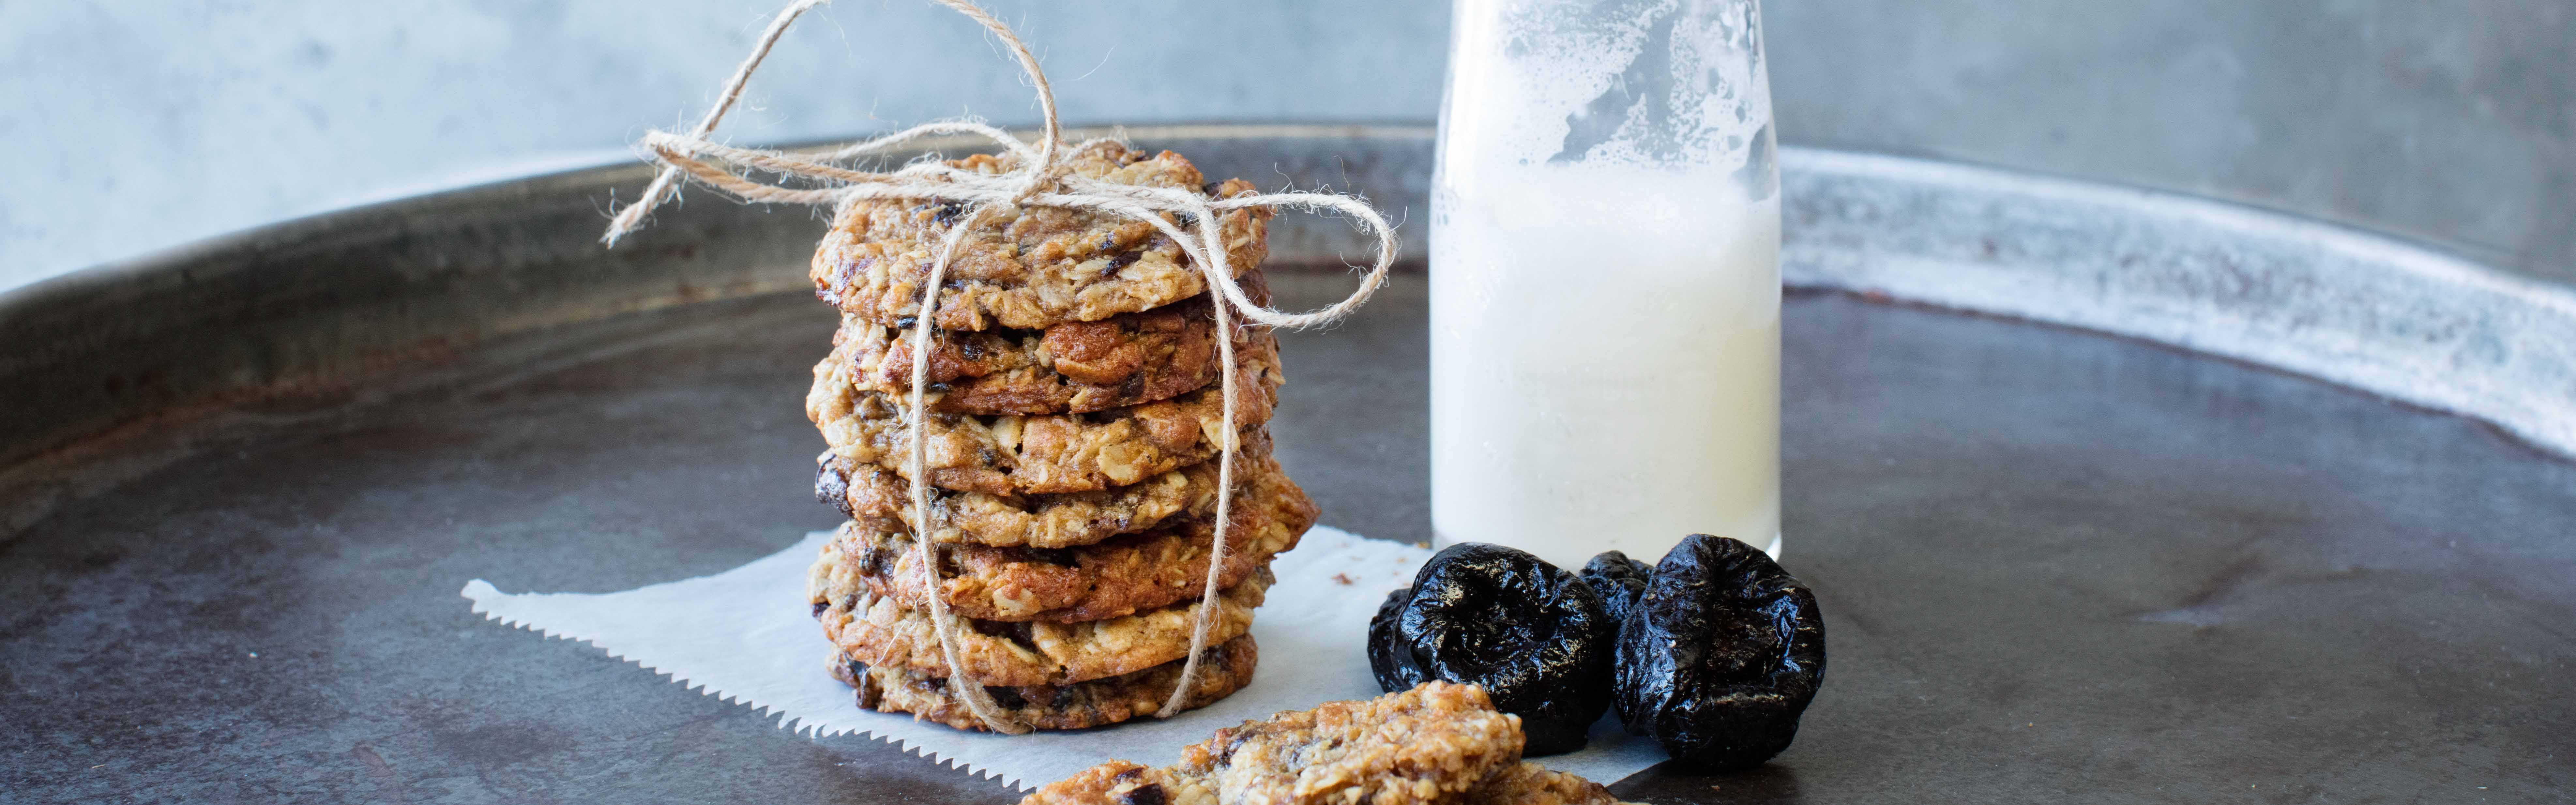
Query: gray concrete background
(141, 125)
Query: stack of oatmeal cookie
(1075, 419)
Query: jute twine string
(1038, 180)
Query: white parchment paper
(747, 635)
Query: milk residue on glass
(1605, 347)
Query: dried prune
(1533, 634)
(1383, 646)
(1619, 580)
(1720, 656)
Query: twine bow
(1038, 180)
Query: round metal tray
(244, 481)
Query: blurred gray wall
(139, 125)
(2451, 122)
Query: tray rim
(2348, 306)
(2345, 306)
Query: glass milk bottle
(1605, 279)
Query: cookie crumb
(1342, 579)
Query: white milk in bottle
(1605, 316)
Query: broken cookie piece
(1436, 744)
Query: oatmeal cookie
(1015, 455)
(1030, 267)
(1223, 669)
(1070, 585)
(1425, 745)
(1063, 520)
(1076, 367)
(1437, 743)
(881, 631)
(1120, 782)
(1533, 784)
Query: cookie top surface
(1029, 266)
(1425, 745)
(1018, 455)
(1223, 669)
(882, 632)
(1122, 782)
(1076, 367)
(1070, 585)
(1437, 743)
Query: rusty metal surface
(2055, 565)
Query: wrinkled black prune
(1534, 635)
(1383, 645)
(1720, 656)
(1619, 580)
